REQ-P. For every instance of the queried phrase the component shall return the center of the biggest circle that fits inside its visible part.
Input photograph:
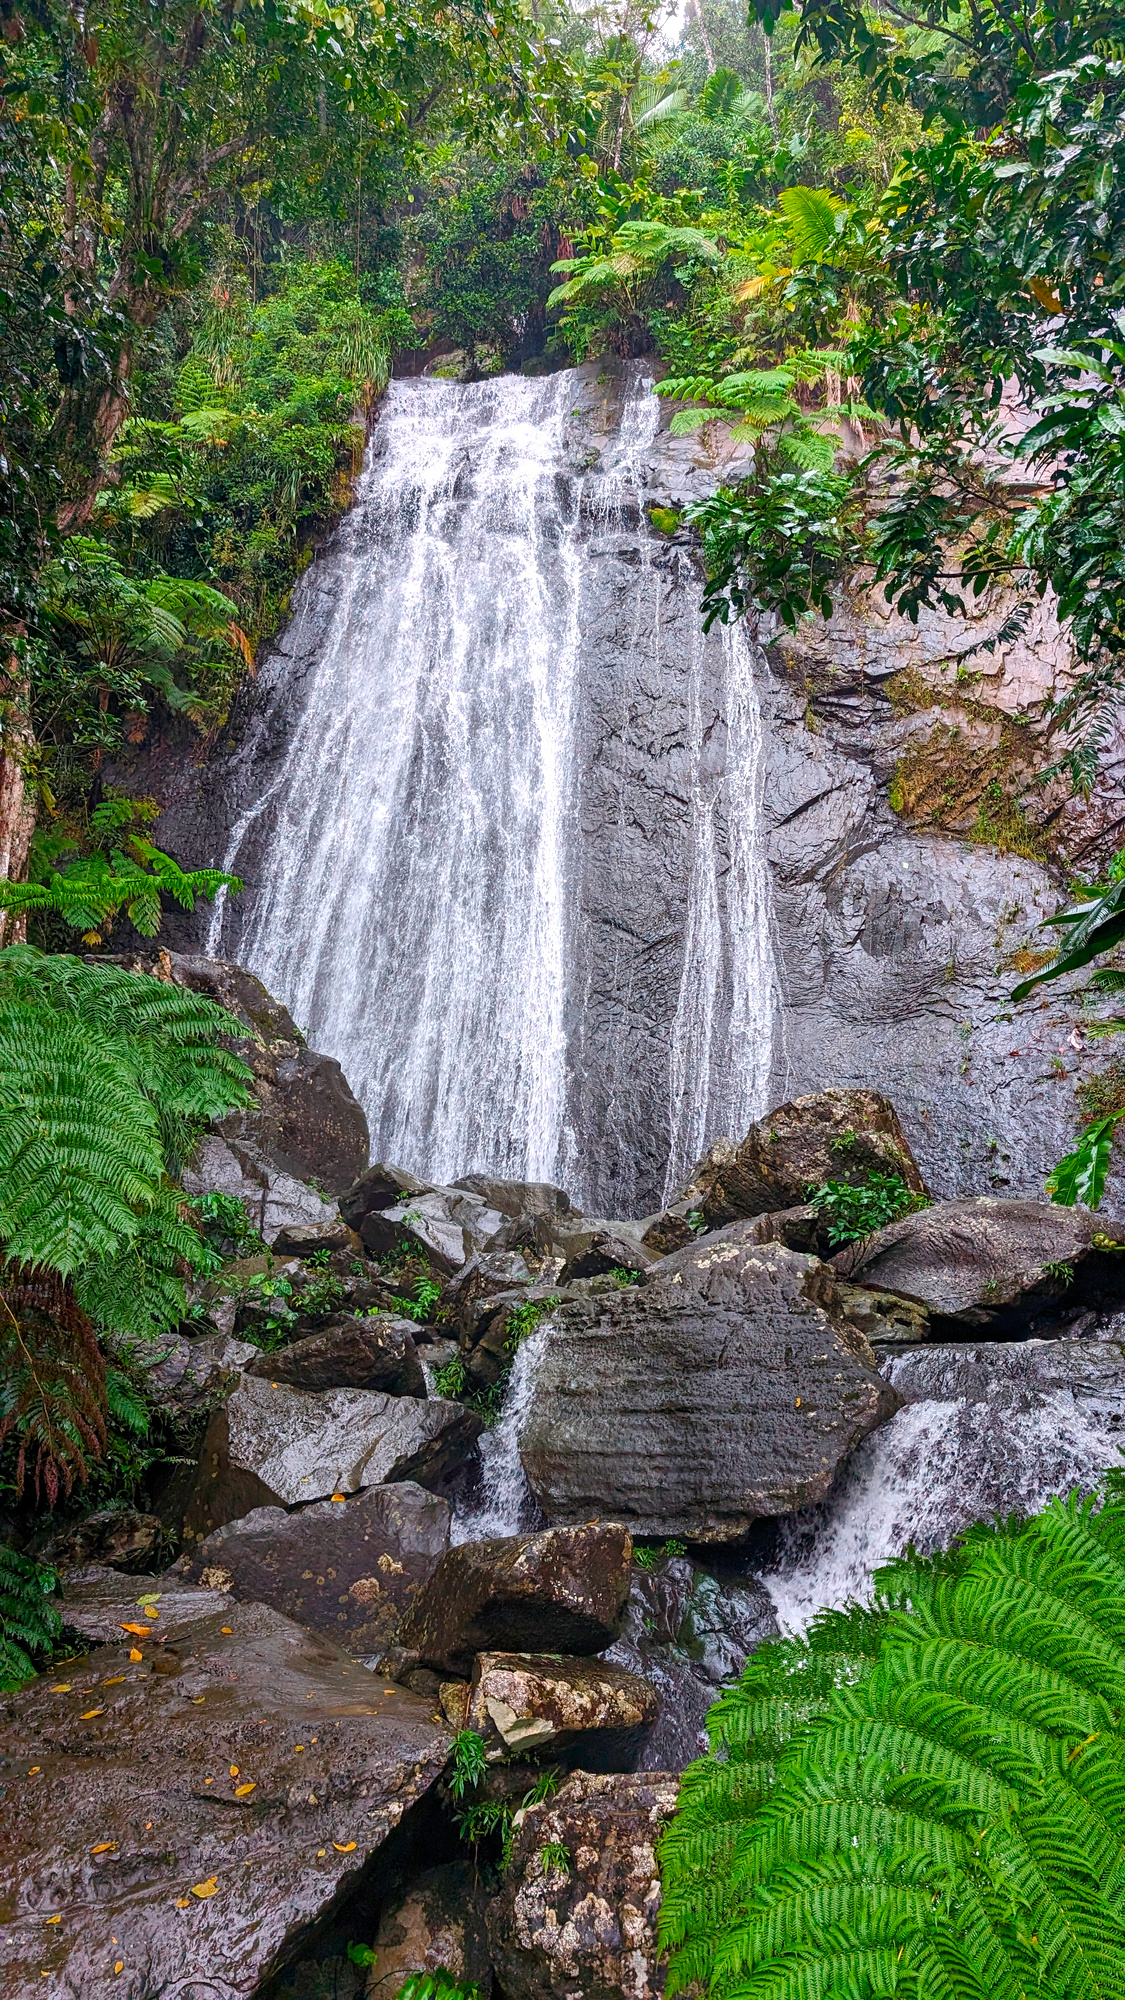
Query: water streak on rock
(505, 1505)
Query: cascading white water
(418, 910)
(505, 1505)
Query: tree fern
(29, 1623)
(926, 1798)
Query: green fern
(29, 1623)
(925, 1798)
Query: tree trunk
(767, 56)
(17, 799)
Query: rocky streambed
(458, 1458)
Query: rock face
(103, 1605)
(525, 1703)
(562, 1591)
(591, 1930)
(728, 1387)
(350, 1569)
(163, 1810)
(973, 1261)
(438, 1924)
(443, 1225)
(118, 1537)
(834, 1135)
(376, 1353)
(279, 1446)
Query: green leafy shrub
(858, 1210)
(469, 1762)
(29, 1623)
(224, 1220)
(106, 1079)
(421, 1306)
(439, 1985)
(925, 1797)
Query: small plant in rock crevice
(469, 1762)
(554, 1858)
(421, 1306)
(647, 1558)
(852, 1210)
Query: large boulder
(561, 1591)
(516, 1199)
(349, 1569)
(360, 1353)
(116, 1537)
(526, 1703)
(728, 1387)
(835, 1135)
(445, 1226)
(982, 1260)
(190, 1815)
(303, 1137)
(590, 1928)
(270, 1446)
(103, 1604)
(437, 1924)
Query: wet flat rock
(162, 1810)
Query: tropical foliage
(29, 1622)
(925, 1797)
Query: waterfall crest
(424, 899)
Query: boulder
(728, 1387)
(525, 1703)
(689, 1633)
(193, 1373)
(514, 1199)
(310, 1238)
(884, 1316)
(190, 1815)
(446, 1226)
(563, 1591)
(468, 1300)
(271, 1446)
(438, 1923)
(375, 1353)
(590, 1929)
(835, 1135)
(113, 1537)
(984, 1259)
(599, 1247)
(273, 1200)
(103, 1604)
(378, 1187)
(349, 1569)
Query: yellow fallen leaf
(142, 1631)
(298, 1746)
(54, 1920)
(120, 1965)
(135, 1653)
(113, 1680)
(226, 1629)
(205, 1889)
(60, 1687)
(182, 1903)
(88, 1714)
(150, 1611)
(103, 1847)
(198, 1699)
(344, 1847)
(320, 1853)
(240, 1791)
(338, 1496)
(234, 1770)
(35, 1770)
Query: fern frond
(29, 1622)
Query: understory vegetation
(925, 1796)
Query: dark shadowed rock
(727, 1387)
(438, 1923)
(103, 1604)
(688, 1633)
(307, 1239)
(518, 1198)
(561, 1591)
(592, 1930)
(468, 1298)
(272, 1446)
(598, 1248)
(378, 1187)
(977, 1260)
(170, 1820)
(193, 1373)
(832, 1136)
(116, 1537)
(524, 1703)
(347, 1568)
(376, 1353)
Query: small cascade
(504, 1504)
(986, 1431)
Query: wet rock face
(526, 1703)
(271, 1446)
(727, 1387)
(561, 1591)
(118, 1537)
(169, 1819)
(591, 1930)
(350, 1569)
(438, 1924)
(376, 1353)
(832, 1136)
(689, 1634)
(977, 1261)
(104, 1605)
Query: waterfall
(505, 1505)
(417, 852)
(986, 1431)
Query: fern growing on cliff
(29, 1623)
(106, 1077)
(925, 1798)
